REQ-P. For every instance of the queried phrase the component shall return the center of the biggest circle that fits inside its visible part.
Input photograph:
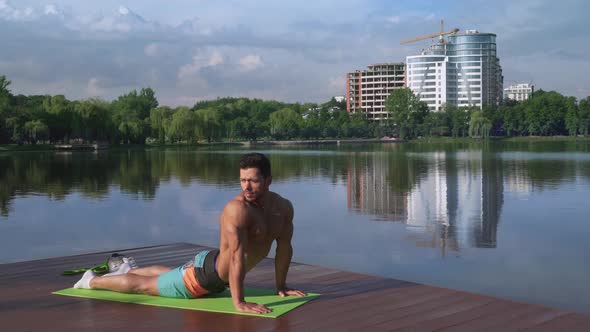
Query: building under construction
(461, 70)
(367, 90)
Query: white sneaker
(130, 261)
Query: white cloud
(51, 10)
(8, 12)
(93, 89)
(109, 24)
(394, 19)
(151, 49)
(250, 62)
(199, 62)
(123, 10)
(215, 59)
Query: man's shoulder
(281, 201)
(283, 204)
(235, 209)
(236, 201)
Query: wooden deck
(349, 302)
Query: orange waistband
(192, 284)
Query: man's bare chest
(266, 225)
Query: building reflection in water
(448, 200)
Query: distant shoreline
(530, 139)
(324, 141)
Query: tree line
(545, 113)
(137, 118)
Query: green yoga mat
(221, 302)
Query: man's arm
(284, 254)
(236, 233)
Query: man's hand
(252, 308)
(288, 291)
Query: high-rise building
(519, 92)
(367, 90)
(462, 70)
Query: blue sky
(283, 50)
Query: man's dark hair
(256, 160)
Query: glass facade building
(464, 71)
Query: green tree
(183, 125)
(458, 119)
(243, 127)
(95, 119)
(494, 115)
(160, 119)
(327, 126)
(4, 83)
(339, 124)
(584, 116)
(146, 102)
(513, 117)
(59, 117)
(479, 125)
(359, 125)
(35, 131)
(16, 127)
(5, 109)
(407, 111)
(436, 124)
(572, 121)
(311, 126)
(545, 113)
(208, 123)
(284, 124)
(131, 112)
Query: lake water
(508, 220)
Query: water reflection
(455, 189)
(455, 196)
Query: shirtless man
(250, 222)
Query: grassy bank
(192, 145)
(516, 139)
(204, 145)
(547, 139)
(442, 140)
(27, 147)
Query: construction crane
(433, 35)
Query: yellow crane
(433, 35)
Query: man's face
(254, 185)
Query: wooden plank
(358, 314)
(349, 302)
(456, 318)
(568, 322)
(526, 321)
(491, 320)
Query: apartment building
(367, 90)
(519, 92)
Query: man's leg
(150, 271)
(127, 283)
